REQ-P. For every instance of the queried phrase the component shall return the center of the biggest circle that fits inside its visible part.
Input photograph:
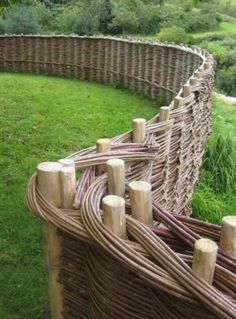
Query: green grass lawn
(45, 118)
(215, 193)
(225, 29)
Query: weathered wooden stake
(48, 180)
(178, 103)
(141, 201)
(116, 177)
(139, 133)
(197, 74)
(186, 90)
(164, 114)
(114, 215)
(193, 81)
(68, 186)
(228, 236)
(103, 145)
(204, 259)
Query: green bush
(174, 34)
(125, 20)
(2, 26)
(85, 24)
(22, 19)
(219, 51)
(226, 80)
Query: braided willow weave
(149, 274)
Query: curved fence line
(145, 272)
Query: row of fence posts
(57, 182)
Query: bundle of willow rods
(147, 275)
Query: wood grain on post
(186, 90)
(138, 135)
(178, 102)
(141, 201)
(193, 81)
(116, 177)
(228, 236)
(103, 145)
(204, 259)
(164, 116)
(68, 186)
(48, 181)
(114, 215)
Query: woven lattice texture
(149, 274)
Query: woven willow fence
(118, 241)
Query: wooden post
(178, 103)
(139, 130)
(65, 162)
(68, 186)
(204, 259)
(193, 81)
(48, 180)
(141, 201)
(116, 177)
(114, 215)
(103, 145)
(164, 114)
(228, 236)
(186, 90)
(197, 74)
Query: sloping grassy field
(45, 118)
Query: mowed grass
(225, 29)
(45, 118)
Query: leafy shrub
(148, 18)
(174, 34)
(125, 20)
(85, 23)
(226, 80)
(202, 22)
(2, 26)
(22, 19)
(219, 51)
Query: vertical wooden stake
(65, 162)
(141, 201)
(204, 259)
(186, 90)
(164, 114)
(178, 103)
(48, 180)
(139, 130)
(228, 236)
(197, 74)
(68, 186)
(193, 81)
(114, 215)
(116, 177)
(103, 145)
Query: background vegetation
(208, 24)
